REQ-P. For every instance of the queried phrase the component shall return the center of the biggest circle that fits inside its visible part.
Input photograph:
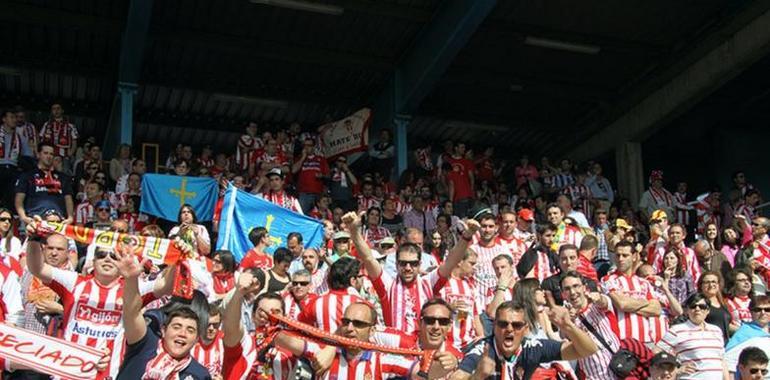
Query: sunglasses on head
(517, 325)
(300, 283)
(356, 323)
(430, 321)
(98, 255)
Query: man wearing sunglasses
(358, 322)
(297, 294)
(507, 354)
(752, 364)
(94, 314)
(402, 297)
(754, 333)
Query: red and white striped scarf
(164, 367)
(661, 197)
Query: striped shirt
(93, 313)
(739, 308)
(656, 251)
(682, 214)
(630, 325)
(748, 211)
(706, 215)
(326, 311)
(605, 322)
(659, 325)
(581, 197)
(401, 302)
(282, 199)
(245, 150)
(210, 355)
(562, 180)
(10, 296)
(703, 346)
(515, 246)
(84, 213)
(365, 203)
(458, 289)
(292, 307)
(367, 365)
(375, 234)
(484, 271)
(241, 362)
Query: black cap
(663, 358)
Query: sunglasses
(701, 306)
(404, 263)
(764, 371)
(98, 255)
(386, 246)
(215, 325)
(5, 219)
(102, 209)
(761, 309)
(300, 283)
(342, 240)
(517, 325)
(356, 323)
(430, 321)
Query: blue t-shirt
(533, 353)
(140, 353)
(44, 192)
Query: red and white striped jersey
(241, 362)
(748, 211)
(374, 234)
(205, 162)
(681, 215)
(515, 246)
(282, 199)
(60, 134)
(542, 268)
(690, 265)
(703, 346)
(402, 207)
(365, 366)
(273, 160)
(630, 325)
(484, 272)
(739, 308)
(423, 159)
(93, 313)
(210, 355)
(11, 305)
(566, 234)
(459, 289)
(401, 302)
(29, 132)
(292, 307)
(245, 150)
(318, 284)
(659, 325)
(84, 213)
(707, 214)
(605, 322)
(365, 203)
(581, 197)
(326, 311)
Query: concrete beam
(738, 50)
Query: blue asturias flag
(241, 212)
(163, 195)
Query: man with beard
(507, 354)
(488, 246)
(460, 292)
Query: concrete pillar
(401, 123)
(126, 92)
(628, 159)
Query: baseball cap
(621, 223)
(274, 171)
(658, 215)
(341, 235)
(526, 214)
(663, 358)
(103, 204)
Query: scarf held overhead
(158, 250)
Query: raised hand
(443, 363)
(559, 315)
(247, 283)
(128, 265)
(352, 220)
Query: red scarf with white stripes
(280, 198)
(661, 196)
(164, 367)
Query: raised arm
(35, 262)
(458, 251)
(580, 344)
(503, 286)
(231, 317)
(373, 267)
(133, 321)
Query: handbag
(622, 362)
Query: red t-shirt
(486, 170)
(254, 259)
(460, 176)
(307, 180)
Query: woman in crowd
(528, 293)
(192, 233)
(711, 285)
(739, 294)
(277, 277)
(711, 235)
(121, 163)
(681, 286)
(730, 244)
(10, 245)
(696, 343)
(444, 228)
(436, 246)
(222, 273)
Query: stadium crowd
(532, 270)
